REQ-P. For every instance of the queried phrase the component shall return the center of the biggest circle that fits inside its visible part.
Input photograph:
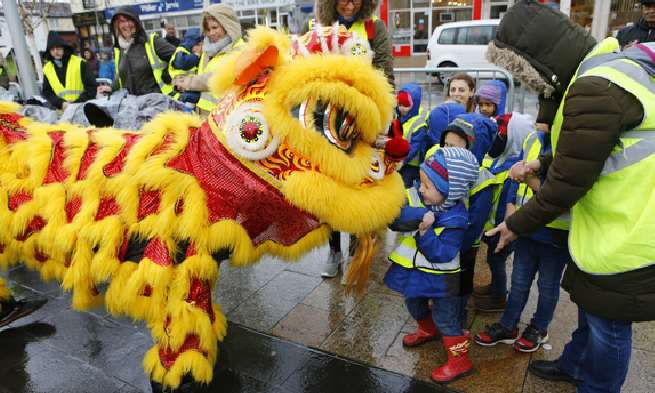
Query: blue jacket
(414, 91)
(185, 61)
(485, 130)
(107, 70)
(440, 248)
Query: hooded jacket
(641, 31)
(326, 15)
(226, 16)
(134, 70)
(414, 91)
(88, 79)
(184, 61)
(595, 113)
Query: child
(490, 98)
(545, 251)
(412, 119)
(426, 263)
(185, 61)
(513, 128)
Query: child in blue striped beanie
(425, 266)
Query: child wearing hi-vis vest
(425, 266)
(545, 252)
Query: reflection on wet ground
(290, 331)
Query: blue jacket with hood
(185, 61)
(437, 120)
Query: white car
(461, 44)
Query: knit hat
(434, 168)
(404, 99)
(462, 128)
(489, 92)
(453, 170)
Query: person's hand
(381, 141)
(180, 83)
(428, 220)
(506, 236)
(64, 105)
(520, 171)
(103, 89)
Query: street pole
(23, 60)
(24, 64)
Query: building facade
(411, 22)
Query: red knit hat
(404, 99)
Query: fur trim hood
(540, 46)
(326, 11)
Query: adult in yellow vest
(602, 170)
(222, 32)
(67, 78)
(141, 61)
(358, 16)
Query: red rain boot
(426, 331)
(458, 364)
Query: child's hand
(428, 220)
(520, 171)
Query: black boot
(12, 309)
(549, 369)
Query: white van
(461, 44)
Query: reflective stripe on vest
(174, 72)
(411, 126)
(74, 86)
(407, 255)
(531, 149)
(156, 64)
(612, 224)
(207, 99)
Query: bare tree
(34, 14)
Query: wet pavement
(290, 331)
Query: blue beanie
(435, 169)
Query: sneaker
(331, 267)
(494, 334)
(491, 303)
(531, 339)
(13, 309)
(483, 291)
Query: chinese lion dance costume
(284, 158)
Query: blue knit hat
(435, 169)
(453, 171)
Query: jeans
(598, 353)
(335, 241)
(445, 313)
(498, 266)
(530, 257)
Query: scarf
(212, 48)
(125, 43)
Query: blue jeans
(530, 257)
(598, 353)
(445, 313)
(498, 266)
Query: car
(461, 44)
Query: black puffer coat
(596, 112)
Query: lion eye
(332, 121)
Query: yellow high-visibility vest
(531, 149)
(156, 64)
(407, 254)
(74, 86)
(411, 126)
(612, 224)
(207, 99)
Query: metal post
(23, 60)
